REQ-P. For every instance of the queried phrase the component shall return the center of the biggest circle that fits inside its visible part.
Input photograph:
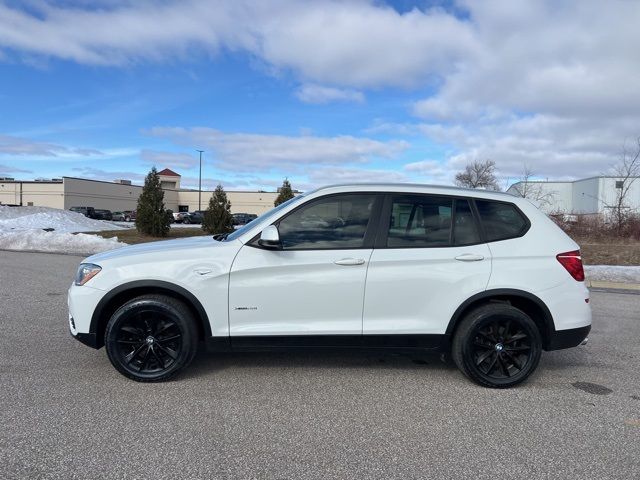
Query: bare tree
(478, 174)
(532, 190)
(627, 171)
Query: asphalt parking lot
(66, 413)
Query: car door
(314, 284)
(428, 259)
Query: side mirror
(270, 238)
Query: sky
(318, 92)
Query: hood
(164, 246)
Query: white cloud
(168, 159)
(544, 82)
(11, 145)
(431, 171)
(250, 152)
(550, 85)
(326, 176)
(109, 175)
(355, 43)
(8, 169)
(311, 93)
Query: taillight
(572, 262)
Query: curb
(613, 285)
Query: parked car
(193, 217)
(129, 215)
(101, 214)
(243, 218)
(88, 212)
(179, 217)
(117, 216)
(482, 275)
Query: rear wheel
(151, 338)
(497, 345)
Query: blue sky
(318, 93)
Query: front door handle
(350, 261)
(469, 257)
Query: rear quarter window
(501, 220)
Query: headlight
(86, 272)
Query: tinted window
(420, 221)
(465, 231)
(501, 220)
(339, 221)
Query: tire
(151, 338)
(497, 346)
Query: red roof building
(168, 173)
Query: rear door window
(420, 221)
(465, 229)
(501, 220)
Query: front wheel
(497, 346)
(151, 338)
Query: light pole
(200, 182)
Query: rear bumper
(571, 337)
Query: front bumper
(571, 337)
(88, 339)
(82, 302)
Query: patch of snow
(54, 242)
(613, 273)
(16, 219)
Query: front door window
(335, 222)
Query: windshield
(245, 228)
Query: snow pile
(613, 273)
(41, 241)
(22, 228)
(14, 219)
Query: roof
(408, 187)
(168, 173)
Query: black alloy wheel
(151, 338)
(497, 345)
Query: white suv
(483, 275)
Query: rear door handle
(470, 257)
(350, 261)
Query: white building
(120, 195)
(593, 195)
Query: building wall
(586, 196)
(38, 194)
(241, 202)
(559, 194)
(115, 197)
(609, 193)
(79, 192)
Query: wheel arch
(525, 301)
(125, 292)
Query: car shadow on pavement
(208, 362)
